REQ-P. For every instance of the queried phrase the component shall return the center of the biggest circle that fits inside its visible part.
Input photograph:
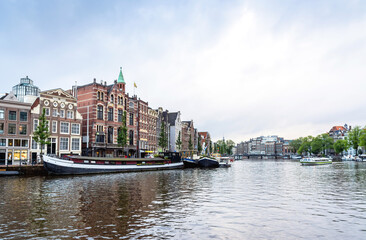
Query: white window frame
(54, 112)
(35, 124)
(61, 143)
(78, 128)
(62, 113)
(72, 144)
(54, 126)
(70, 114)
(32, 144)
(47, 112)
(68, 127)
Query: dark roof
(172, 117)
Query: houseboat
(93, 165)
(315, 161)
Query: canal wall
(25, 170)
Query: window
(112, 98)
(23, 116)
(48, 125)
(70, 114)
(131, 137)
(54, 112)
(2, 114)
(34, 144)
(35, 124)
(24, 143)
(62, 113)
(17, 142)
(100, 112)
(110, 114)
(64, 127)
(12, 115)
(54, 126)
(100, 138)
(131, 118)
(2, 142)
(47, 111)
(120, 115)
(98, 95)
(12, 128)
(23, 129)
(102, 96)
(10, 142)
(64, 143)
(75, 144)
(75, 128)
(1, 128)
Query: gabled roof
(59, 93)
(337, 128)
(172, 117)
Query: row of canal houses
(86, 120)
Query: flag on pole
(134, 84)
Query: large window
(75, 128)
(131, 137)
(64, 143)
(100, 112)
(12, 115)
(2, 114)
(12, 128)
(110, 114)
(2, 142)
(131, 118)
(70, 114)
(54, 112)
(54, 126)
(120, 115)
(35, 124)
(34, 144)
(23, 129)
(75, 144)
(23, 116)
(64, 128)
(1, 128)
(47, 111)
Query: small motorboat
(316, 161)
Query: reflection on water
(251, 200)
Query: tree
(340, 145)
(229, 146)
(163, 139)
(363, 138)
(210, 147)
(354, 137)
(305, 145)
(179, 141)
(190, 145)
(42, 133)
(295, 144)
(199, 146)
(122, 133)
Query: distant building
(205, 142)
(264, 145)
(338, 132)
(175, 126)
(26, 88)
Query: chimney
(115, 81)
(105, 83)
(94, 80)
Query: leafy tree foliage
(340, 145)
(199, 147)
(295, 144)
(354, 138)
(178, 142)
(190, 144)
(42, 133)
(305, 146)
(122, 133)
(163, 138)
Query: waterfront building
(162, 118)
(338, 132)
(175, 126)
(102, 107)
(26, 88)
(142, 126)
(14, 130)
(264, 145)
(188, 136)
(152, 130)
(286, 148)
(63, 120)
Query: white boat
(92, 165)
(348, 158)
(316, 161)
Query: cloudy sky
(239, 69)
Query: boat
(225, 162)
(208, 162)
(190, 163)
(93, 165)
(315, 161)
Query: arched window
(112, 98)
(98, 95)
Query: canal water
(254, 199)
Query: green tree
(122, 132)
(42, 133)
(178, 142)
(363, 138)
(354, 137)
(295, 145)
(305, 146)
(340, 145)
(190, 144)
(199, 146)
(229, 146)
(210, 147)
(163, 138)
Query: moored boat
(208, 162)
(93, 165)
(190, 163)
(315, 161)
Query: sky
(238, 69)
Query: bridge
(259, 155)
